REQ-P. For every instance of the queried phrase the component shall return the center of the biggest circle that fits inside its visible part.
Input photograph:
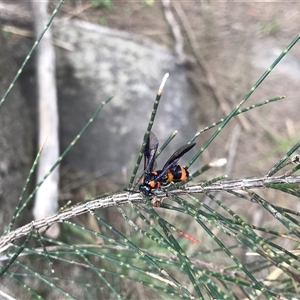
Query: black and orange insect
(171, 171)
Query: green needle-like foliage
(208, 250)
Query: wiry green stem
(31, 51)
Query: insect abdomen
(177, 173)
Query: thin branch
(183, 58)
(125, 198)
(76, 12)
(30, 34)
(210, 80)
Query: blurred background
(214, 52)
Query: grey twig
(124, 198)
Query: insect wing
(150, 152)
(173, 160)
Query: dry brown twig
(29, 33)
(76, 12)
(183, 58)
(209, 76)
